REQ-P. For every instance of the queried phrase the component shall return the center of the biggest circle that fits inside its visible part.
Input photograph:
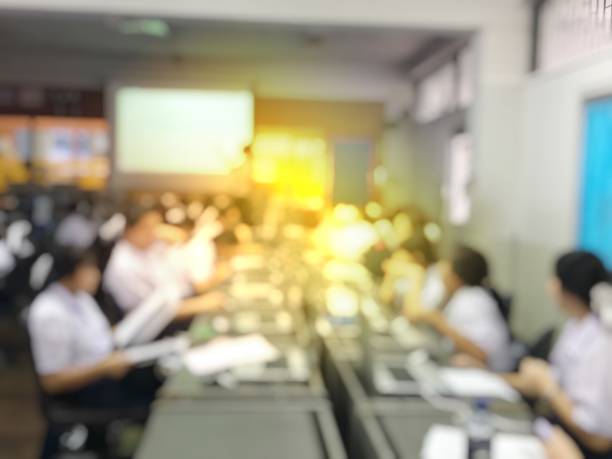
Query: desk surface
(184, 385)
(253, 430)
(385, 427)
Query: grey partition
(245, 429)
(384, 427)
(345, 389)
(390, 430)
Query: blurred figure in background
(78, 228)
(474, 317)
(412, 276)
(577, 384)
(140, 264)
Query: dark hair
(66, 261)
(579, 272)
(472, 268)
(134, 213)
(421, 245)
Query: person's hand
(210, 302)
(463, 360)
(561, 446)
(223, 272)
(538, 378)
(116, 365)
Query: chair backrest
(542, 346)
(43, 398)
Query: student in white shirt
(140, 264)
(577, 383)
(474, 316)
(72, 341)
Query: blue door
(595, 231)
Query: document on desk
(445, 442)
(150, 353)
(474, 383)
(227, 353)
(511, 446)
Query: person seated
(473, 318)
(140, 264)
(72, 342)
(577, 383)
(412, 276)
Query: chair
(62, 417)
(543, 345)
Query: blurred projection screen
(164, 131)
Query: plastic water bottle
(480, 431)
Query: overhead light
(148, 27)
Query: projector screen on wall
(173, 132)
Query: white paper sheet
(146, 321)
(225, 353)
(510, 446)
(445, 442)
(149, 353)
(477, 383)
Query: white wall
(549, 183)
(274, 79)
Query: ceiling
(216, 40)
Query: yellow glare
(373, 210)
(293, 164)
(433, 232)
(342, 301)
(381, 176)
(346, 213)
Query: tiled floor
(21, 427)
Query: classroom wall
(353, 81)
(549, 184)
(333, 118)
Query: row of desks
(255, 428)
(333, 415)
(386, 427)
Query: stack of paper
(510, 446)
(148, 320)
(226, 353)
(150, 353)
(474, 383)
(445, 442)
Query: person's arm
(564, 409)
(437, 321)
(520, 384)
(208, 302)
(560, 446)
(114, 366)
(222, 273)
(538, 376)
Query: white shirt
(67, 330)
(433, 291)
(582, 360)
(472, 311)
(132, 275)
